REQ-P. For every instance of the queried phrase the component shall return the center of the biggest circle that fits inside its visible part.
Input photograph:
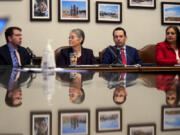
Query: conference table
(90, 100)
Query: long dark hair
(177, 34)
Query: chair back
(147, 54)
(57, 54)
(101, 55)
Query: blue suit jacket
(132, 56)
(5, 56)
(87, 57)
(115, 78)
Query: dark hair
(79, 33)
(80, 98)
(177, 34)
(9, 32)
(9, 101)
(119, 28)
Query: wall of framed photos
(143, 25)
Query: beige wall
(143, 26)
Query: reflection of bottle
(48, 59)
(48, 85)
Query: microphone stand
(117, 62)
(31, 55)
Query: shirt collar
(11, 49)
(121, 47)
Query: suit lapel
(9, 60)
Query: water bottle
(48, 59)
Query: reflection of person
(130, 54)
(40, 8)
(76, 92)
(120, 94)
(84, 56)
(75, 81)
(12, 81)
(41, 126)
(170, 84)
(168, 52)
(13, 53)
(120, 81)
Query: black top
(87, 57)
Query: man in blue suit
(121, 53)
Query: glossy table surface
(73, 101)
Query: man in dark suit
(121, 53)
(13, 53)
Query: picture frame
(41, 122)
(73, 122)
(73, 10)
(40, 10)
(108, 119)
(108, 12)
(145, 129)
(10, 0)
(144, 4)
(10, 134)
(170, 118)
(170, 13)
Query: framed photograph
(40, 10)
(73, 10)
(142, 129)
(73, 122)
(170, 118)
(146, 4)
(41, 123)
(108, 12)
(108, 120)
(170, 13)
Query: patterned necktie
(18, 57)
(13, 79)
(123, 56)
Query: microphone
(117, 60)
(30, 52)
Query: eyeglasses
(170, 98)
(17, 35)
(72, 37)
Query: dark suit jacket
(5, 56)
(87, 57)
(132, 56)
(6, 75)
(114, 79)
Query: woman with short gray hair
(81, 55)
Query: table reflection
(167, 83)
(119, 81)
(69, 92)
(75, 82)
(12, 80)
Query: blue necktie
(14, 59)
(12, 78)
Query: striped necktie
(18, 57)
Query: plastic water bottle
(48, 59)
